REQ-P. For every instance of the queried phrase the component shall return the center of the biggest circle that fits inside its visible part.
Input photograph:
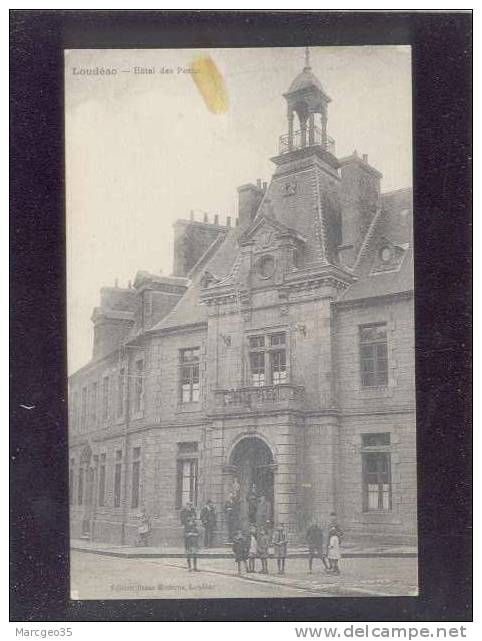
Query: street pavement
(94, 576)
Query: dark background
(442, 102)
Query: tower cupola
(307, 99)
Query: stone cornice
(306, 279)
(371, 300)
(312, 152)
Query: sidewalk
(361, 578)
(224, 552)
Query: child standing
(191, 542)
(280, 543)
(263, 549)
(252, 549)
(334, 552)
(143, 528)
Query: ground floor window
(101, 500)
(80, 487)
(71, 481)
(117, 478)
(136, 476)
(187, 474)
(377, 479)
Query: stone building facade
(280, 353)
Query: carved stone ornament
(290, 189)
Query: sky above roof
(143, 150)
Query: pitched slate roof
(188, 311)
(395, 225)
(312, 210)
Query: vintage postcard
(241, 323)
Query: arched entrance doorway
(252, 468)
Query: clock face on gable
(265, 266)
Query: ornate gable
(266, 232)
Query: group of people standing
(256, 544)
(256, 539)
(258, 510)
(329, 552)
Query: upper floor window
(189, 375)
(93, 403)
(139, 386)
(373, 355)
(377, 478)
(83, 411)
(75, 410)
(257, 361)
(105, 398)
(267, 357)
(117, 478)
(120, 392)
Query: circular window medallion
(265, 266)
(385, 254)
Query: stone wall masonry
(400, 521)
(400, 392)
(317, 448)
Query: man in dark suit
(208, 519)
(188, 511)
(314, 539)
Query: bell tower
(307, 99)
(304, 191)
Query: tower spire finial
(307, 58)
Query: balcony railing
(306, 138)
(283, 395)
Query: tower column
(324, 136)
(290, 128)
(311, 129)
(303, 131)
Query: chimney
(205, 219)
(249, 198)
(228, 221)
(360, 198)
(191, 214)
(216, 219)
(258, 183)
(265, 185)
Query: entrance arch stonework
(252, 468)
(273, 466)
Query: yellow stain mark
(210, 83)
